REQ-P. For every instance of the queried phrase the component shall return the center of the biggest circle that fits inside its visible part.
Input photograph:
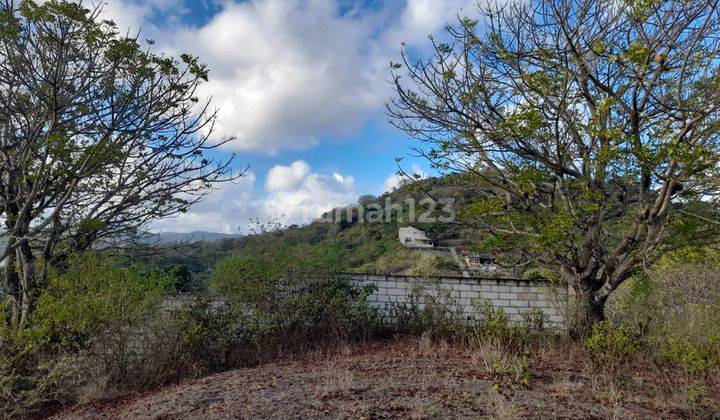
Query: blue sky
(301, 85)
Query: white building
(413, 238)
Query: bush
(83, 330)
(436, 314)
(692, 356)
(674, 311)
(295, 296)
(99, 300)
(610, 346)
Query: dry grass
(421, 378)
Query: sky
(301, 86)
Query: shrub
(435, 313)
(675, 310)
(692, 356)
(295, 296)
(610, 346)
(493, 324)
(83, 330)
(540, 273)
(99, 300)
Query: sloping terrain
(357, 244)
(415, 379)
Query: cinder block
(489, 295)
(515, 317)
(519, 303)
(550, 311)
(508, 296)
(396, 292)
(500, 303)
(500, 288)
(527, 296)
(464, 303)
(556, 318)
(463, 287)
(382, 284)
(537, 304)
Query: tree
(592, 126)
(98, 137)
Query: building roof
(411, 231)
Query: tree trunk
(12, 288)
(29, 289)
(594, 312)
(588, 312)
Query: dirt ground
(424, 379)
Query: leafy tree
(98, 137)
(593, 126)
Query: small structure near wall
(413, 238)
(480, 262)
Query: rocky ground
(420, 379)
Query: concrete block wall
(515, 296)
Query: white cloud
(293, 195)
(307, 196)
(230, 206)
(421, 18)
(286, 74)
(285, 178)
(395, 181)
(132, 16)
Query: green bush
(294, 294)
(493, 324)
(95, 298)
(84, 329)
(674, 311)
(540, 273)
(436, 314)
(610, 346)
(693, 356)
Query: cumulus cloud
(293, 194)
(132, 16)
(297, 195)
(420, 18)
(287, 178)
(395, 181)
(229, 206)
(286, 74)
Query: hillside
(355, 238)
(173, 237)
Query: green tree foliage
(592, 124)
(98, 137)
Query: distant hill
(355, 242)
(199, 235)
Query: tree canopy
(594, 122)
(99, 136)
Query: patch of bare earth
(416, 378)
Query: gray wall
(514, 296)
